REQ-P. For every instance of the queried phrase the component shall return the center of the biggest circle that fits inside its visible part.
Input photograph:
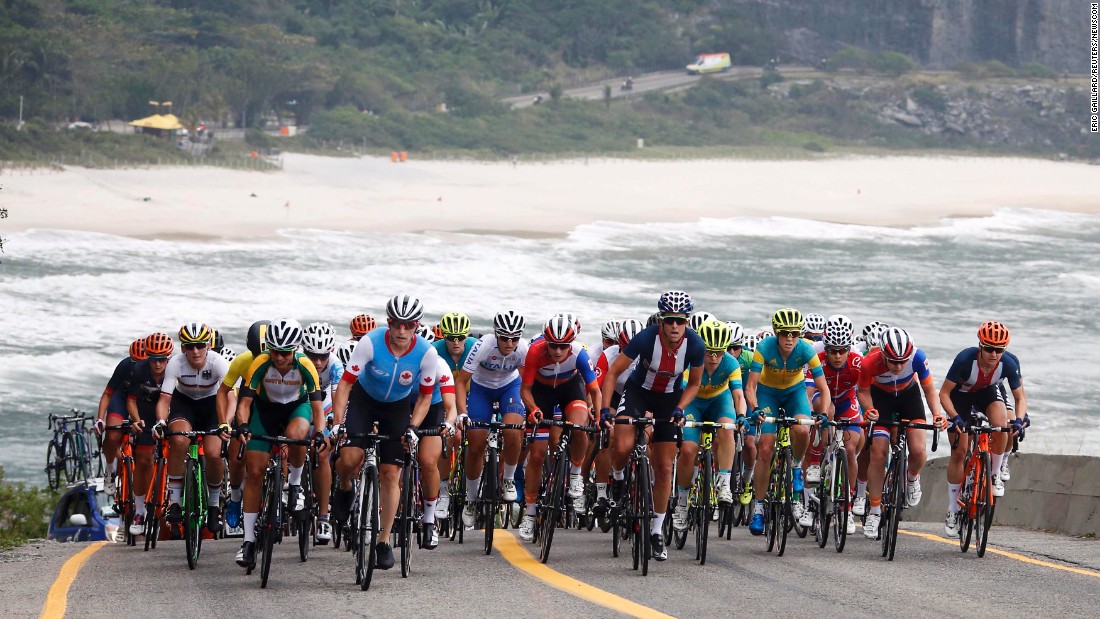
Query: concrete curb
(1053, 493)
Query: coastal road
(1024, 573)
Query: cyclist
(227, 405)
(112, 410)
(187, 402)
(815, 329)
(890, 385)
(664, 351)
(319, 344)
(453, 348)
(776, 381)
(842, 369)
(868, 340)
(361, 325)
(696, 320)
(492, 371)
(281, 396)
(557, 373)
(629, 328)
(141, 405)
(441, 414)
(720, 399)
(387, 365)
(741, 351)
(609, 335)
(972, 383)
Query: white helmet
(698, 318)
(874, 336)
(896, 344)
(836, 337)
(839, 321)
(737, 332)
(560, 329)
(319, 338)
(283, 334)
(343, 353)
(629, 329)
(815, 323)
(750, 342)
(610, 330)
(872, 326)
(228, 354)
(425, 332)
(404, 307)
(508, 323)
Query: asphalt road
(929, 576)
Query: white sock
(214, 497)
(532, 510)
(574, 469)
(175, 488)
(681, 496)
(510, 471)
(295, 477)
(139, 505)
(748, 474)
(112, 467)
(861, 489)
(471, 489)
(444, 488)
(601, 490)
(618, 474)
(658, 523)
(909, 477)
(953, 497)
(876, 509)
(724, 479)
(758, 508)
(996, 462)
(429, 511)
(250, 526)
(235, 494)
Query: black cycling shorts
(392, 419)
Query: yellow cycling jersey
(777, 373)
(237, 369)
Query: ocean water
(71, 302)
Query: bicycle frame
(893, 490)
(976, 501)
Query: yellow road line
(1010, 555)
(57, 598)
(511, 549)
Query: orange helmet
(159, 345)
(361, 324)
(137, 349)
(993, 333)
(438, 331)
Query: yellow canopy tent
(158, 122)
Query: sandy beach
(534, 198)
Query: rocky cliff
(937, 33)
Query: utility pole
(19, 127)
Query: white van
(709, 63)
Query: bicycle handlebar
(494, 425)
(790, 421)
(912, 425)
(710, 424)
(561, 423)
(436, 431)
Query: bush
(813, 147)
(893, 63)
(930, 97)
(257, 138)
(1038, 71)
(769, 78)
(849, 57)
(24, 512)
(985, 70)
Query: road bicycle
(780, 496)
(195, 497)
(633, 512)
(364, 521)
(976, 501)
(489, 500)
(67, 452)
(703, 496)
(832, 501)
(893, 486)
(552, 508)
(124, 482)
(408, 526)
(156, 496)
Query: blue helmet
(675, 302)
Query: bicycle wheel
(192, 534)
(489, 498)
(823, 507)
(403, 524)
(126, 496)
(983, 516)
(274, 521)
(307, 522)
(840, 500)
(895, 497)
(967, 499)
(671, 534)
(702, 524)
(95, 456)
(644, 490)
(552, 508)
(786, 515)
(82, 456)
(68, 458)
(54, 464)
(773, 503)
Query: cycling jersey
(144, 391)
(237, 369)
(725, 377)
(441, 350)
(489, 367)
(444, 381)
(180, 377)
(539, 367)
(778, 373)
(120, 379)
(875, 372)
(966, 375)
(606, 359)
(270, 385)
(390, 378)
(659, 369)
(843, 382)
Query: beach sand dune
(534, 198)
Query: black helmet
(256, 337)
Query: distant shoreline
(536, 199)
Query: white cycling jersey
(491, 368)
(194, 383)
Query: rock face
(936, 33)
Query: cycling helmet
(228, 354)
(404, 307)
(362, 324)
(283, 334)
(560, 329)
(858, 339)
(698, 318)
(839, 322)
(508, 323)
(715, 334)
(993, 333)
(610, 330)
(653, 319)
(737, 332)
(750, 342)
(836, 337)
(897, 345)
(874, 338)
(257, 340)
(576, 322)
(159, 345)
(872, 326)
(764, 333)
(425, 332)
(343, 353)
(217, 342)
(319, 338)
(195, 333)
(455, 323)
(675, 302)
(787, 319)
(815, 323)
(137, 350)
(437, 332)
(629, 329)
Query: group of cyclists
(679, 366)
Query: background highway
(1024, 573)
